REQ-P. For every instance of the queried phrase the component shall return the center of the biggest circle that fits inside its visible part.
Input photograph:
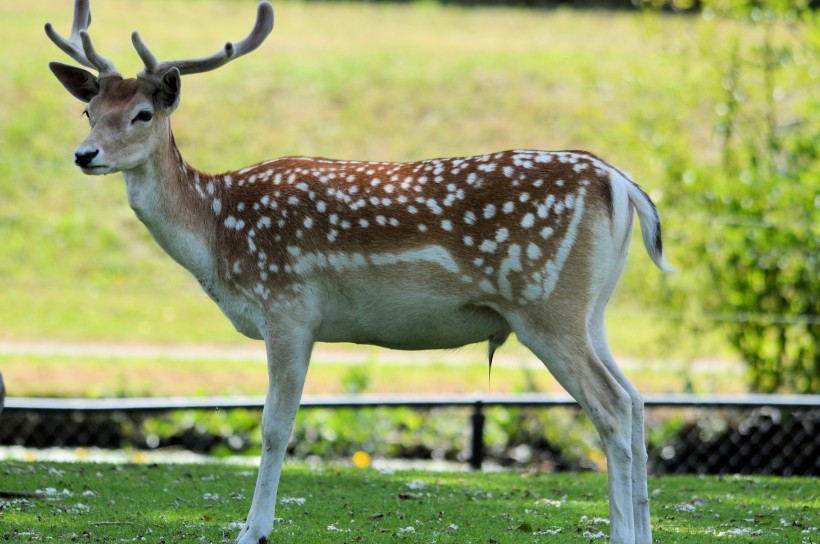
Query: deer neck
(162, 194)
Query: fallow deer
(421, 255)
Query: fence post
(477, 454)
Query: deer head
(130, 117)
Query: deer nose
(83, 157)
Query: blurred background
(712, 106)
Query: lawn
(332, 371)
(207, 503)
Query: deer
(433, 254)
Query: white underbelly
(407, 316)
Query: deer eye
(85, 112)
(143, 116)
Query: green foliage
(759, 202)
(566, 438)
(219, 432)
(382, 432)
(754, 10)
(356, 380)
(520, 432)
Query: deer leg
(640, 494)
(567, 353)
(288, 357)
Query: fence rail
(164, 404)
(808, 405)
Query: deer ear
(168, 91)
(82, 84)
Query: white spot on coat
(554, 266)
(512, 263)
(433, 254)
(487, 286)
(533, 251)
(488, 246)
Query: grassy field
(365, 81)
(331, 372)
(207, 503)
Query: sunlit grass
(334, 370)
(187, 503)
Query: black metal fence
(762, 434)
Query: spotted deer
(421, 255)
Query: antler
(261, 28)
(78, 46)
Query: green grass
(28, 375)
(206, 503)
